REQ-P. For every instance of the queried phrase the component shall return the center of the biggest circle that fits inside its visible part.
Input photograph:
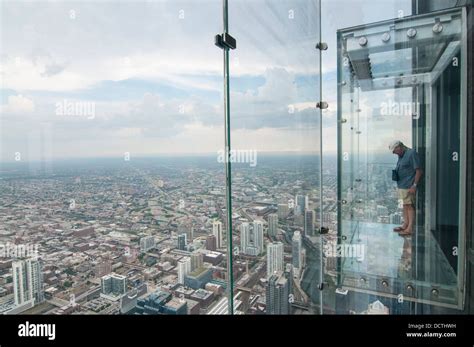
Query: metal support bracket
(322, 46)
(225, 41)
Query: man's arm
(418, 174)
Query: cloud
(18, 104)
(152, 116)
(27, 73)
(277, 104)
(157, 84)
(46, 62)
(52, 69)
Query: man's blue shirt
(406, 166)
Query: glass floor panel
(387, 254)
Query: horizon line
(169, 155)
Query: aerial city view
(147, 235)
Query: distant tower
(251, 238)
(283, 211)
(309, 220)
(196, 260)
(272, 224)
(182, 241)
(244, 237)
(301, 204)
(258, 234)
(278, 294)
(217, 232)
(296, 249)
(114, 283)
(211, 243)
(27, 281)
(184, 267)
(274, 258)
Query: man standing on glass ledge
(407, 175)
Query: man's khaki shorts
(406, 197)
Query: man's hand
(412, 190)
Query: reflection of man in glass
(404, 267)
(407, 174)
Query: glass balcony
(402, 80)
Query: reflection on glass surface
(110, 132)
(274, 82)
(401, 80)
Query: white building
(27, 281)
(251, 238)
(274, 258)
(184, 267)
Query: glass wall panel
(276, 168)
(111, 118)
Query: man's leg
(405, 216)
(411, 219)
(401, 198)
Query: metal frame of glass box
(358, 46)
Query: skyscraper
(258, 234)
(251, 238)
(301, 204)
(283, 211)
(184, 267)
(196, 260)
(182, 241)
(272, 224)
(296, 251)
(288, 272)
(217, 232)
(278, 294)
(114, 284)
(274, 258)
(244, 236)
(27, 281)
(309, 220)
(211, 243)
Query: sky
(102, 78)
